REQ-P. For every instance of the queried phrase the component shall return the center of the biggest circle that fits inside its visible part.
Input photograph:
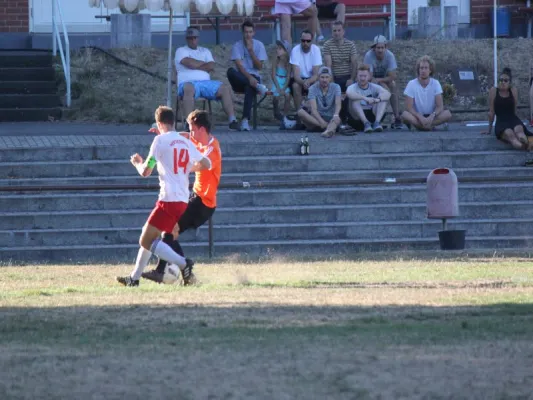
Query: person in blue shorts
(193, 65)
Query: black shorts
(196, 214)
(341, 81)
(357, 124)
(327, 11)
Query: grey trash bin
(443, 203)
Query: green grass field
(389, 329)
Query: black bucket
(452, 240)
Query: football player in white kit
(176, 157)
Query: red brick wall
(234, 23)
(480, 10)
(14, 16)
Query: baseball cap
(284, 44)
(379, 39)
(192, 32)
(324, 70)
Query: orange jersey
(206, 181)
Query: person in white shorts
(286, 8)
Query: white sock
(164, 251)
(143, 256)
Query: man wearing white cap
(193, 65)
(384, 72)
(323, 105)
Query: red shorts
(166, 214)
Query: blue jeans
(240, 84)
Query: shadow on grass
(234, 325)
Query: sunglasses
(306, 40)
(504, 80)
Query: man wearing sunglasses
(193, 66)
(306, 59)
(323, 106)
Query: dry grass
(111, 92)
(311, 330)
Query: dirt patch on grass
(106, 90)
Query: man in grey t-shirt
(323, 105)
(385, 72)
(368, 102)
(249, 55)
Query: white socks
(143, 256)
(164, 251)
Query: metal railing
(56, 38)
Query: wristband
(151, 162)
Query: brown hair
(164, 115)
(338, 23)
(201, 119)
(363, 67)
(427, 59)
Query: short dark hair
(507, 71)
(306, 31)
(164, 115)
(247, 23)
(337, 22)
(200, 118)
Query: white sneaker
(244, 125)
(262, 89)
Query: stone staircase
(28, 89)
(305, 211)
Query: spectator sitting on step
(193, 65)
(502, 102)
(281, 72)
(368, 102)
(423, 99)
(328, 9)
(249, 55)
(531, 95)
(323, 105)
(305, 60)
(385, 72)
(286, 8)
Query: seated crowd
(329, 88)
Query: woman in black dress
(502, 102)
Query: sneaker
(262, 89)
(376, 127)
(244, 125)
(127, 281)
(153, 275)
(397, 124)
(368, 127)
(234, 125)
(186, 273)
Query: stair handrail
(56, 38)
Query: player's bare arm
(143, 168)
(204, 163)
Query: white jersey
(175, 157)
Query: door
(80, 18)
(462, 5)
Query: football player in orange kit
(203, 200)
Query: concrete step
(256, 177)
(243, 232)
(128, 252)
(65, 150)
(279, 164)
(24, 59)
(134, 218)
(27, 74)
(29, 100)
(318, 196)
(28, 87)
(29, 114)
